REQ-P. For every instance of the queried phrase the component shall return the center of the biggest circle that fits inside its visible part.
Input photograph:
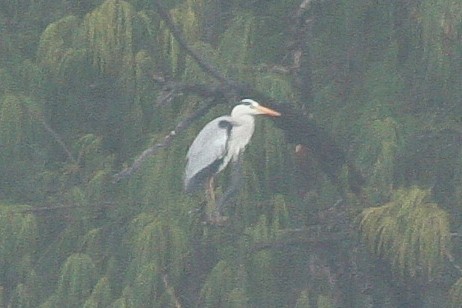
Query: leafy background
(78, 97)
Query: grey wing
(207, 152)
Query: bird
(221, 141)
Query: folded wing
(207, 154)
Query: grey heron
(220, 142)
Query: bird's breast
(239, 138)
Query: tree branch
(297, 126)
(52, 208)
(165, 143)
(171, 89)
(38, 116)
(170, 290)
(300, 237)
(452, 260)
(206, 66)
(300, 34)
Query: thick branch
(172, 89)
(206, 66)
(300, 34)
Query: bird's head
(251, 107)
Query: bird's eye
(249, 103)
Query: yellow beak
(268, 111)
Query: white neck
(241, 134)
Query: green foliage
(409, 231)
(142, 114)
(237, 299)
(18, 234)
(378, 153)
(266, 227)
(235, 47)
(455, 294)
(187, 15)
(192, 71)
(146, 285)
(266, 162)
(78, 277)
(158, 240)
(126, 300)
(162, 178)
(94, 165)
(275, 85)
(57, 45)
(33, 80)
(171, 51)
(262, 281)
(12, 119)
(18, 128)
(303, 301)
(109, 34)
(8, 83)
(18, 244)
(23, 296)
(87, 78)
(100, 296)
(440, 26)
(324, 302)
(159, 250)
(92, 244)
(221, 288)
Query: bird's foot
(216, 219)
(196, 210)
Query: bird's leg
(211, 200)
(211, 189)
(213, 215)
(236, 179)
(210, 193)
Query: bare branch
(171, 291)
(300, 237)
(172, 89)
(52, 208)
(165, 143)
(38, 116)
(452, 260)
(302, 8)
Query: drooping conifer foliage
(87, 88)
